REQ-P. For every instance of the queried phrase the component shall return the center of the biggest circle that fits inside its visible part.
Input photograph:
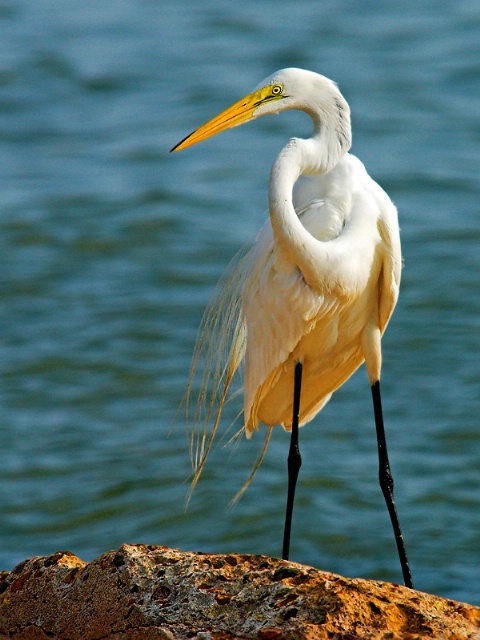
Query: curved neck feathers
(317, 155)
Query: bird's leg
(386, 483)
(294, 460)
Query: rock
(154, 593)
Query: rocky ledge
(154, 593)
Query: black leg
(386, 483)
(294, 460)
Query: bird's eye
(277, 90)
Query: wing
(282, 310)
(265, 298)
(389, 282)
(280, 307)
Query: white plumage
(322, 280)
(329, 326)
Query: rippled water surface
(110, 248)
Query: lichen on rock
(141, 592)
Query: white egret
(312, 299)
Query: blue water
(110, 248)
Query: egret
(310, 302)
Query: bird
(309, 303)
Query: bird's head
(285, 89)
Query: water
(110, 248)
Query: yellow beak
(240, 112)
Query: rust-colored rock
(154, 593)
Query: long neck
(317, 155)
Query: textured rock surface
(154, 593)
